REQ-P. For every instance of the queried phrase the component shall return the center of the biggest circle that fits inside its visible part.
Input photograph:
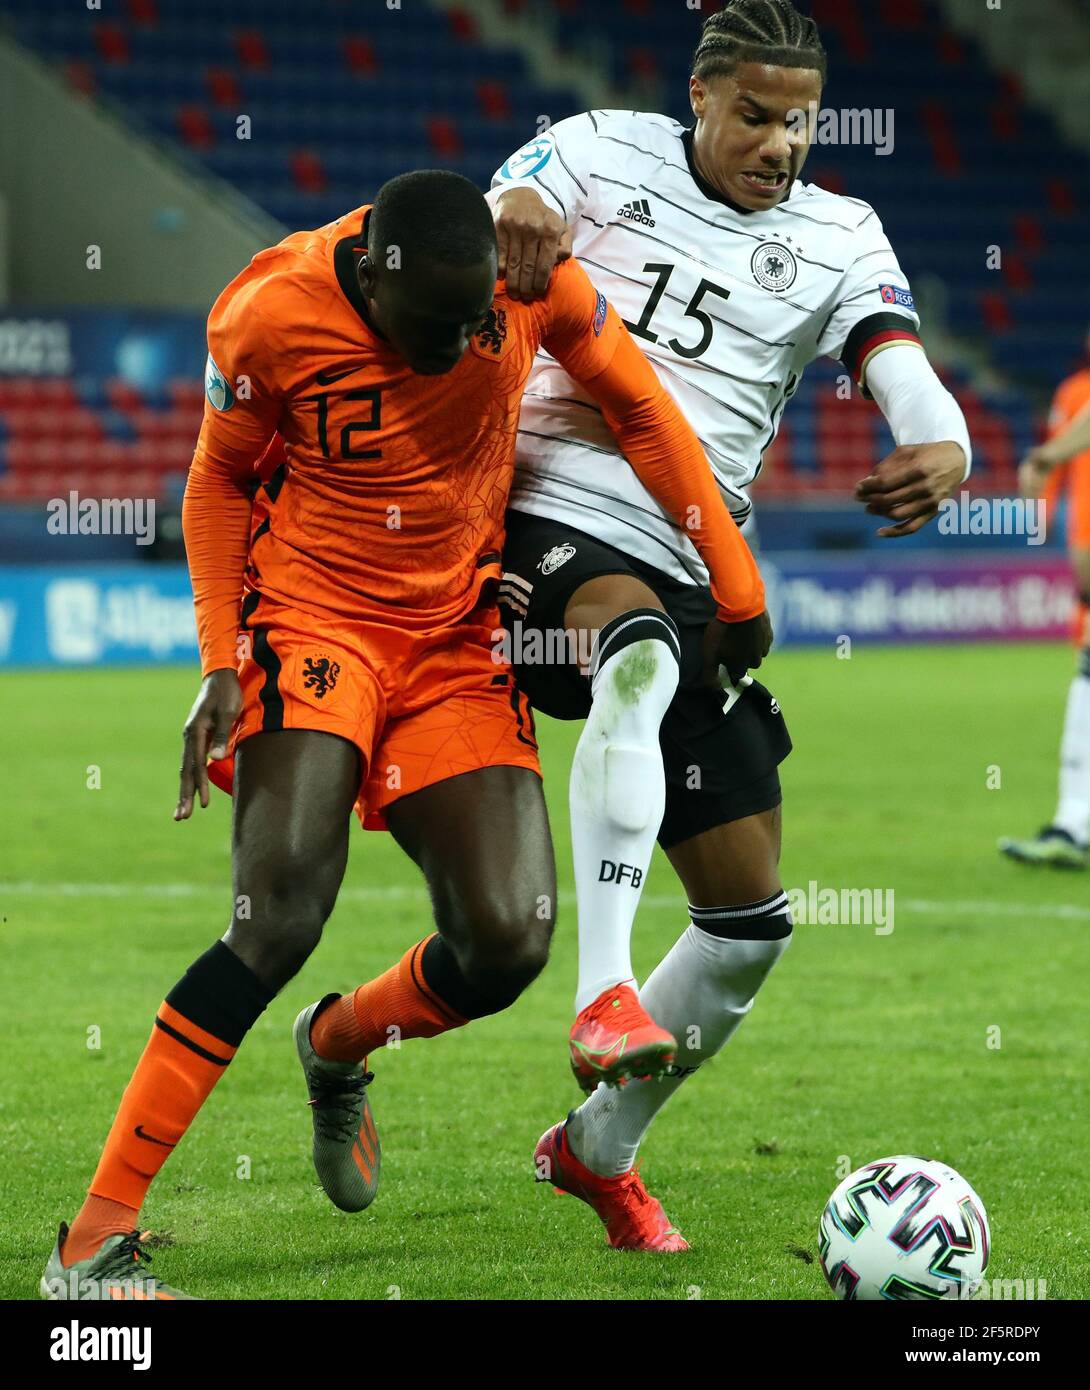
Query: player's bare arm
(1039, 462)
(216, 518)
(909, 485)
(532, 238)
(205, 735)
(933, 455)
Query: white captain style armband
(918, 407)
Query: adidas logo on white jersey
(639, 210)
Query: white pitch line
(922, 906)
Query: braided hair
(771, 32)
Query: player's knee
(281, 918)
(636, 669)
(505, 952)
(758, 933)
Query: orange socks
(197, 1032)
(400, 999)
(97, 1220)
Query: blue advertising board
(96, 615)
(142, 613)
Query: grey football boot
(347, 1155)
(1053, 848)
(116, 1271)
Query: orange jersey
(390, 503)
(1071, 399)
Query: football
(904, 1228)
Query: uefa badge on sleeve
(216, 388)
(600, 314)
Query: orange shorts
(419, 707)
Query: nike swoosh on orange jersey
(328, 378)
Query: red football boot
(634, 1220)
(614, 1038)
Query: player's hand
(206, 732)
(1033, 471)
(740, 647)
(909, 484)
(532, 239)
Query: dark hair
(432, 214)
(758, 31)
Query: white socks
(1073, 812)
(618, 790)
(700, 991)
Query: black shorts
(721, 757)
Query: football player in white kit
(732, 274)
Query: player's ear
(697, 96)
(365, 273)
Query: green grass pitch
(861, 1044)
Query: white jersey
(728, 305)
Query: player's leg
(482, 842)
(294, 791)
(703, 988)
(617, 794)
(455, 776)
(1063, 843)
(560, 581)
(721, 830)
(1073, 811)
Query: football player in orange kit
(348, 630)
(1063, 464)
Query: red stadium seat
(195, 126)
(443, 136)
(307, 171)
(123, 396)
(1030, 233)
(493, 100)
(143, 12)
(944, 149)
(110, 40)
(1016, 272)
(903, 14)
(185, 391)
(223, 88)
(251, 49)
(359, 54)
(950, 49)
(996, 312)
(1004, 120)
(1061, 198)
(844, 17)
(830, 179)
(463, 26)
(642, 64)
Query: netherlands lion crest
(320, 675)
